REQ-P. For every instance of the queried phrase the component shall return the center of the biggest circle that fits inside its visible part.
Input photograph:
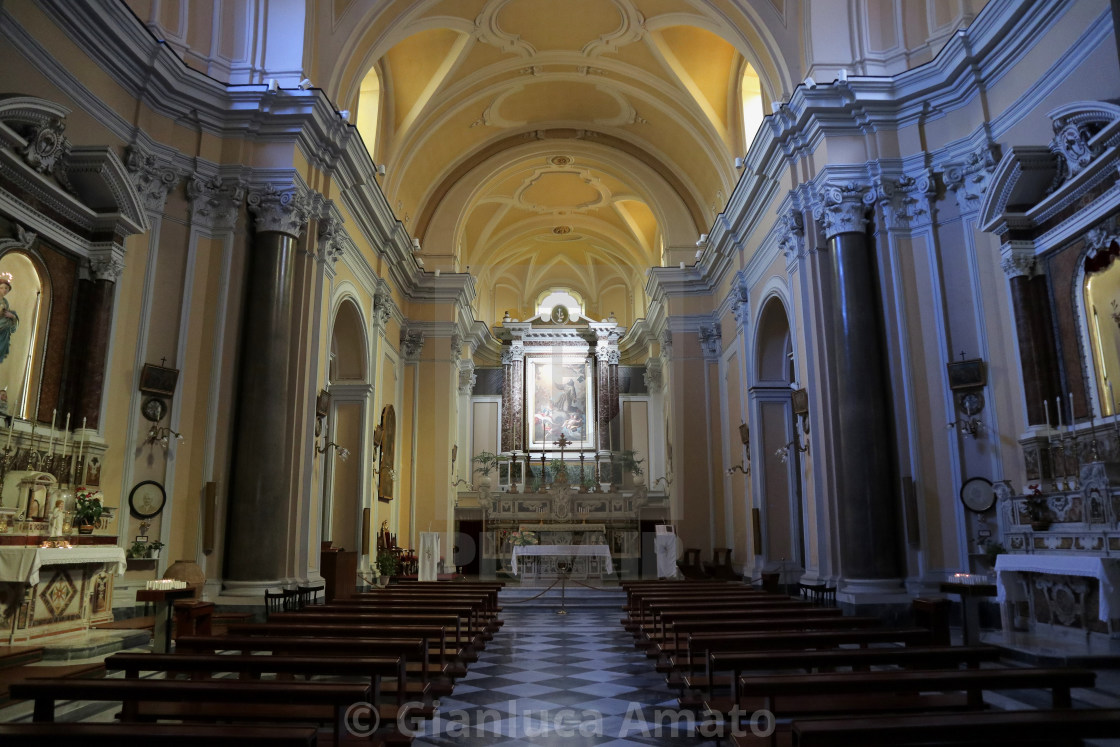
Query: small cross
(163, 361)
(562, 442)
(962, 355)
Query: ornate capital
(284, 211)
(652, 376)
(968, 179)
(607, 355)
(412, 342)
(1018, 259)
(382, 308)
(106, 262)
(331, 237)
(791, 233)
(1101, 236)
(153, 177)
(906, 200)
(842, 208)
(456, 346)
(666, 346)
(467, 377)
(23, 239)
(711, 341)
(214, 202)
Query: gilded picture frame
(560, 398)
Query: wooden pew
(371, 667)
(973, 728)
(469, 626)
(164, 735)
(474, 611)
(484, 605)
(674, 643)
(412, 651)
(201, 700)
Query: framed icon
(146, 499)
(967, 374)
(158, 380)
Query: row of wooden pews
(775, 670)
(368, 668)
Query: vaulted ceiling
(548, 144)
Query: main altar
(568, 463)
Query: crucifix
(562, 442)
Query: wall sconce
(322, 409)
(745, 437)
(343, 452)
(667, 479)
(970, 403)
(799, 400)
(162, 435)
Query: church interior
(475, 321)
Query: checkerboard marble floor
(548, 679)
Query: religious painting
(560, 393)
(24, 309)
(387, 442)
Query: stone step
(514, 597)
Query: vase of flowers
(87, 510)
(523, 538)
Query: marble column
(1038, 354)
(513, 397)
(866, 497)
(257, 548)
(91, 343)
(609, 436)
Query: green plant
(991, 550)
(1038, 509)
(487, 461)
(387, 562)
(559, 470)
(628, 463)
(87, 507)
(154, 547)
(138, 550)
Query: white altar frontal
(46, 592)
(1060, 592)
(586, 560)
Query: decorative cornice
(842, 208)
(1101, 236)
(23, 239)
(153, 176)
(284, 209)
(214, 201)
(907, 199)
(968, 179)
(1017, 258)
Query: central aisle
(548, 679)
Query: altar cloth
(601, 551)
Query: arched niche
(25, 313)
(344, 479)
(348, 345)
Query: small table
(970, 595)
(163, 598)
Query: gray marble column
(513, 397)
(866, 497)
(257, 547)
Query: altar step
(94, 643)
(526, 596)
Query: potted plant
(154, 548)
(139, 549)
(487, 461)
(387, 565)
(629, 464)
(87, 510)
(991, 551)
(559, 471)
(1038, 511)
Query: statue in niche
(9, 320)
(57, 516)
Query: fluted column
(865, 496)
(1034, 326)
(259, 500)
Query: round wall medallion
(560, 160)
(972, 403)
(977, 494)
(153, 409)
(559, 314)
(146, 499)
(561, 230)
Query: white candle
(1058, 407)
(81, 450)
(1046, 403)
(65, 434)
(50, 447)
(1072, 419)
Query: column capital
(906, 199)
(153, 176)
(791, 233)
(653, 376)
(467, 377)
(214, 201)
(711, 341)
(412, 342)
(332, 236)
(666, 342)
(106, 261)
(968, 178)
(382, 308)
(1017, 258)
(842, 208)
(282, 209)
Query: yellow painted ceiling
(538, 141)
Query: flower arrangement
(523, 538)
(88, 508)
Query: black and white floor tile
(548, 679)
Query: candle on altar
(65, 433)
(50, 446)
(81, 449)
(1046, 404)
(1058, 407)
(11, 427)
(1071, 418)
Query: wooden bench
(974, 728)
(738, 662)
(414, 652)
(372, 668)
(677, 643)
(164, 735)
(207, 700)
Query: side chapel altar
(564, 456)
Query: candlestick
(1058, 408)
(1072, 419)
(1046, 404)
(81, 450)
(65, 433)
(11, 427)
(50, 445)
